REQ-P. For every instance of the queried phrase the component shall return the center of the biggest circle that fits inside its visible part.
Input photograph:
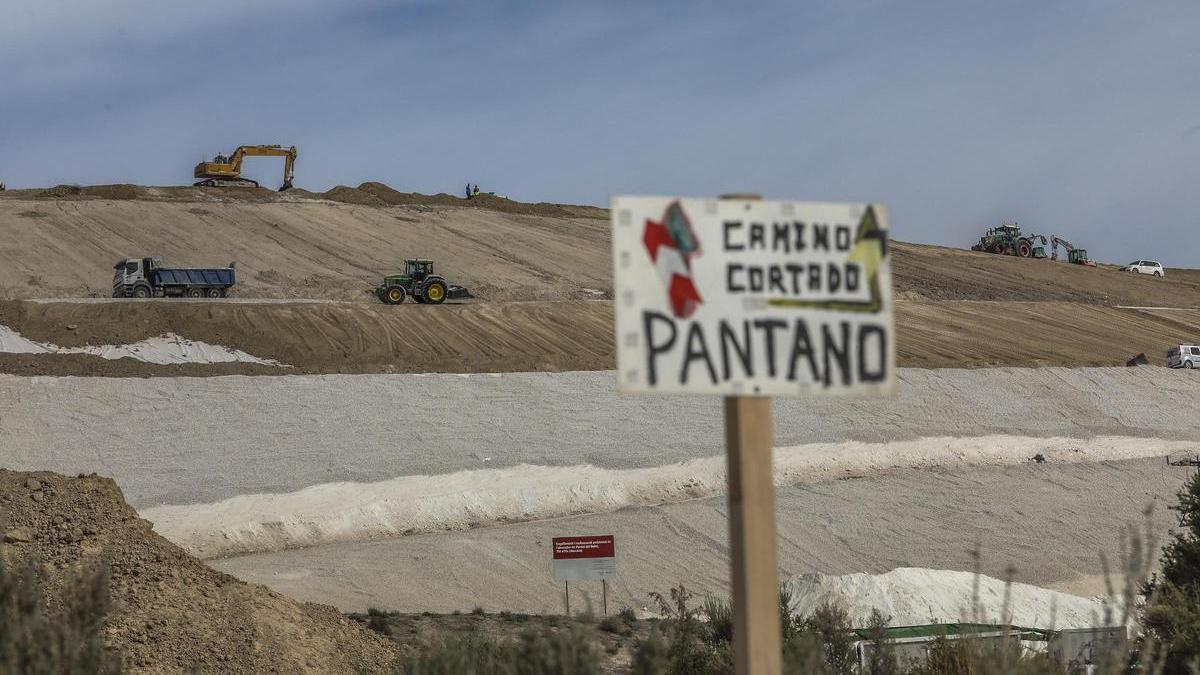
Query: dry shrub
(69, 640)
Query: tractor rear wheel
(394, 295)
(435, 293)
(1024, 248)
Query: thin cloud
(956, 116)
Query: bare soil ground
(548, 336)
(302, 248)
(62, 242)
(333, 337)
(532, 266)
(171, 612)
(941, 273)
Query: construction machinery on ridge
(226, 170)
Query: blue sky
(1078, 118)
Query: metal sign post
(749, 299)
(578, 558)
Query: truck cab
(131, 277)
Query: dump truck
(419, 282)
(1007, 239)
(149, 278)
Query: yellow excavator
(226, 170)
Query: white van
(1183, 356)
(1150, 267)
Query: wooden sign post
(751, 299)
(755, 572)
(754, 569)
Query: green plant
(568, 652)
(687, 651)
(830, 625)
(627, 615)
(651, 655)
(882, 659)
(378, 620)
(71, 640)
(1171, 615)
(720, 621)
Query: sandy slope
(307, 249)
(352, 511)
(300, 245)
(1048, 521)
(340, 337)
(186, 440)
(200, 440)
(941, 273)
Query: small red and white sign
(583, 558)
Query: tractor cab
(418, 269)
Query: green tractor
(419, 281)
(1008, 240)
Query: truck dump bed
(194, 276)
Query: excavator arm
(227, 171)
(1055, 242)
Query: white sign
(583, 558)
(744, 297)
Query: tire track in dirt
(558, 336)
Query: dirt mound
(349, 195)
(393, 197)
(371, 193)
(171, 612)
(121, 191)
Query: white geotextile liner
(165, 349)
(914, 596)
(352, 511)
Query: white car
(1183, 356)
(1145, 267)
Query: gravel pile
(171, 613)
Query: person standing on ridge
(468, 190)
